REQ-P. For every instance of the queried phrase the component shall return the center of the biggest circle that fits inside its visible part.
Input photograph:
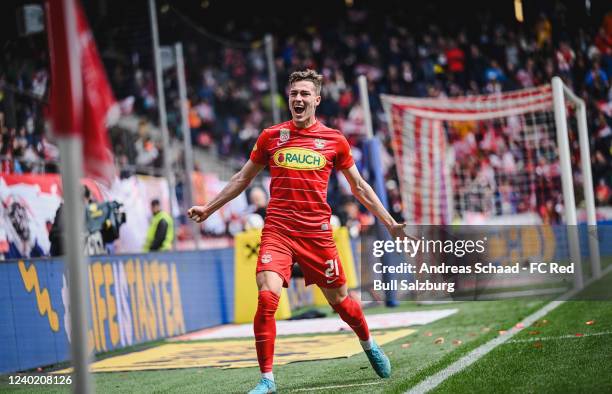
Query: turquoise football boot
(264, 386)
(380, 362)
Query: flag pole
(187, 146)
(161, 106)
(73, 217)
(373, 149)
(269, 41)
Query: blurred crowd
(24, 78)
(230, 103)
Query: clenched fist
(398, 230)
(198, 213)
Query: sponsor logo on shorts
(331, 281)
(266, 258)
(299, 159)
(325, 226)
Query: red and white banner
(81, 101)
(27, 209)
(28, 205)
(29, 202)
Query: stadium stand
(474, 165)
(228, 86)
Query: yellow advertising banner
(246, 249)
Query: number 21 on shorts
(333, 268)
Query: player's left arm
(366, 195)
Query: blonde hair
(307, 75)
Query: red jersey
(300, 161)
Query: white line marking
(536, 339)
(337, 387)
(434, 380)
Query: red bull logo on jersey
(299, 159)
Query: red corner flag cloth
(81, 98)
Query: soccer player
(301, 154)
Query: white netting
(473, 159)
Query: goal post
(501, 158)
(561, 93)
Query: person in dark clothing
(55, 234)
(57, 229)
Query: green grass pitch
(547, 357)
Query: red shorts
(317, 257)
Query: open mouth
(299, 110)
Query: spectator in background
(477, 65)
(602, 193)
(161, 230)
(603, 40)
(543, 32)
(525, 75)
(495, 77)
(565, 57)
(456, 62)
(601, 168)
(549, 213)
(259, 201)
(146, 151)
(395, 199)
(57, 229)
(353, 218)
(597, 82)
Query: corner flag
(81, 102)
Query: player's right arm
(237, 184)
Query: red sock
(264, 327)
(350, 311)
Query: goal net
(499, 159)
(505, 158)
(476, 159)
